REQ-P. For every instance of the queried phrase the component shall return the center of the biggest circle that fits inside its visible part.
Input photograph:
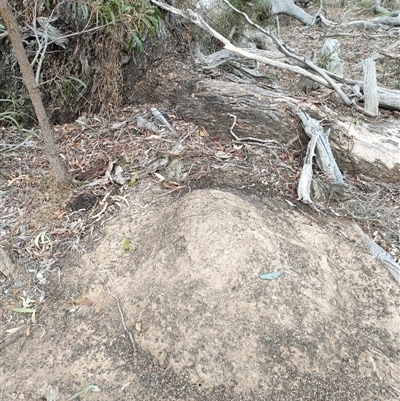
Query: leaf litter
(42, 223)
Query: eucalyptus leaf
(91, 387)
(15, 329)
(126, 244)
(23, 310)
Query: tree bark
(28, 77)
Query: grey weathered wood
(371, 98)
(385, 22)
(304, 185)
(380, 254)
(389, 99)
(326, 161)
(324, 156)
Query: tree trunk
(28, 77)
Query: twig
(162, 119)
(278, 28)
(249, 138)
(127, 331)
(25, 143)
(233, 125)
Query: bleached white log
(371, 98)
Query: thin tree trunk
(28, 77)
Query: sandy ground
(204, 325)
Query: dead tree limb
(324, 156)
(304, 186)
(385, 22)
(199, 21)
(296, 56)
(380, 254)
(371, 100)
(288, 7)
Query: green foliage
(274, 77)
(71, 85)
(134, 17)
(11, 113)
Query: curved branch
(199, 21)
(290, 53)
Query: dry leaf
(82, 301)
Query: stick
(127, 331)
(199, 21)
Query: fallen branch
(385, 22)
(380, 254)
(292, 54)
(304, 186)
(288, 7)
(324, 156)
(199, 21)
(325, 159)
(127, 331)
(390, 55)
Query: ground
(148, 286)
(181, 313)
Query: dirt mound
(193, 289)
(205, 325)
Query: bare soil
(179, 311)
(204, 325)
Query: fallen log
(319, 76)
(360, 147)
